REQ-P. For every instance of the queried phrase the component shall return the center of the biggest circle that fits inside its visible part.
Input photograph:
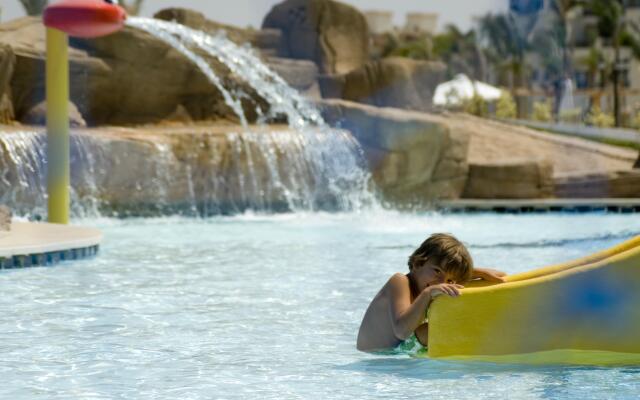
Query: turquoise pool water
(268, 307)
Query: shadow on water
(427, 369)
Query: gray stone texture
(7, 65)
(333, 35)
(302, 75)
(197, 20)
(414, 159)
(613, 184)
(37, 115)
(126, 78)
(510, 179)
(389, 82)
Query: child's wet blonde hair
(445, 251)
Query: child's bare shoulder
(398, 283)
(397, 279)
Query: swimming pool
(269, 306)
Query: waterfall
(243, 62)
(201, 173)
(309, 166)
(22, 178)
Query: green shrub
(506, 107)
(542, 111)
(600, 119)
(571, 115)
(476, 106)
(635, 119)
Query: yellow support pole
(57, 87)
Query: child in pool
(437, 267)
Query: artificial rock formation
(37, 115)
(389, 82)
(333, 35)
(302, 75)
(607, 184)
(221, 169)
(7, 64)
(414, 159)
(510, 179)
(228, 169)
(129, 77)
(197, 20)
(263, 39)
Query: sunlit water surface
(268, 307)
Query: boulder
(389, 82)
(129, 77)
(613, 184)
(413, 158)
(333, 35)
(7, 64)
(302, 75)
(266, 40)
(510, 179)
(37, 115)
(197, 20)
(5, 218)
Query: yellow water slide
(586, 311)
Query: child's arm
(488, 274)
(407, 316)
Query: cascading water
(310, 166)
(242, 61)
(333, 158)
(23, 173)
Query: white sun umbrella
(462, 88)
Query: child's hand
(489, 275)
(451, 289)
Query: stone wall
(414, 159)
(332, 34)
(222, 169)
(390, 82)
(612, 184)
(510, 179)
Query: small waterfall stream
(243, 62)
(309, 166)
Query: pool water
(268, 307)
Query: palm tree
(506, 48)
(460, 52)
(620, 32)
(562, 8)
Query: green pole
(57, 89)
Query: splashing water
(202, 173)
(242, 61)
(333, 158)
(308, 167)
(23, 166)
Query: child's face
(430, 274)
